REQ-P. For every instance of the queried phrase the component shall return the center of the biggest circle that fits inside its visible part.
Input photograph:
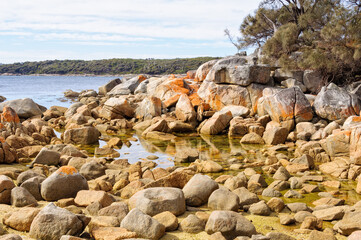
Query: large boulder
(198, 189)
(83, 136)
(127, 86)
(184, 110)
(149, 108)
(335, 103)
(313, 81)
(350, 222)
(239, 74)
(230, 224)
(168, 88)
(25, 108)
(216, 124)
(144, 225)
(66, 182)
(152, 201)
(203, 70)
(288, 104)
(52, 222)
(103, 90)
(117, 108)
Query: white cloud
(182, 19)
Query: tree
(323, 35)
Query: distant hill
(106, 67)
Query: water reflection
(217, 148)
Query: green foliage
(323, 35)
(108, 66)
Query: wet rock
(230, 224)
(21, 220)
(86, 197)
(83, 136)
(20, 197)
(252, 138)
(66, 182)
(52, 222)
(25, 108)
(152, 201)
(142, 224)
(47, 157)
(334, 103)
(260, 208)
(168, 219)
(92, 170)
(192, 224)
(6, 185)
(222, 199)
(198, 189)
(216, 124)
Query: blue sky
(34, 30)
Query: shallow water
(47, 90)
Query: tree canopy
(323, 35)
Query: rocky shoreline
(300, 152)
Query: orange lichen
(141, 78)
(2, 126)
(2, 140)
(171, 101)
(195, 99)
(191, 74)
(9, 115)
(67, 170)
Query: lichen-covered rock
(334, 103)
(287, 105)
(52, 222)
(66, 182)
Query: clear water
(47, 90)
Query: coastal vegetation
(107, 66)
(323, 35)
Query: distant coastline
(105, 67)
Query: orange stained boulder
(195, 99)
(172, 101)
(2, 126)
(141, 78)
(66, 170)
(9, 115)
(191, 74)
(178, 86)
(2, 140)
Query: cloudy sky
(32, 30)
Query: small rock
(168, 219)
(222, 199)
(20, 197)
(198, 189)
(260, 208)
(192, 224)
(286, 219)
